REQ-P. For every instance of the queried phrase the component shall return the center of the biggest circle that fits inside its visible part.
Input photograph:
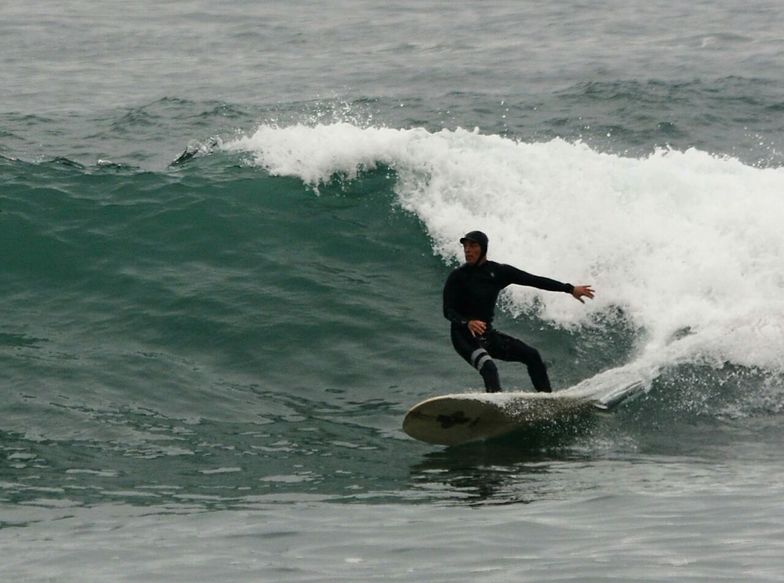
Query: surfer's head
(474, 247)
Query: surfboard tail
(614, 398)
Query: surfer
(470, 294)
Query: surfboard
(465, 417)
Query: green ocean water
(224, 233)
(268, 304)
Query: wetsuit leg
(475, 354)
(505, 347)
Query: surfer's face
(473, 251)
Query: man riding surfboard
(470, 295)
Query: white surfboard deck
(465, 417)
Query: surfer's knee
(538, 361)
(479, 358)
(530, 355)
(484, 363)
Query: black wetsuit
(470, 293)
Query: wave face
(685, 245)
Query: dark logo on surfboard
(449, 421)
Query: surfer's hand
(477, 327)
(582, 291)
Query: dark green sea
(224, 232)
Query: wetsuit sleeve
(451, 312)
(519, 277)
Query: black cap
(476, 237)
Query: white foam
(689, 245)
